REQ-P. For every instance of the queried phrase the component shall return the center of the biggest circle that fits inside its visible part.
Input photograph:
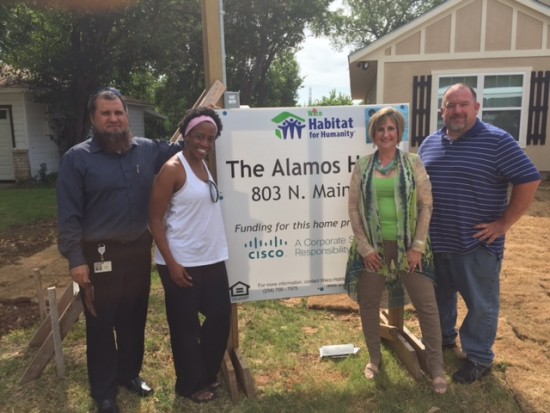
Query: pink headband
(199, 119)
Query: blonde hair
(387, 113)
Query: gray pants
(421, 292)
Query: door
(6, 146)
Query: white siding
(42, 149)
(6, 146)
(135, 118)
(15, 100)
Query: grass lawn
(279, 339)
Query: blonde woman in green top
(390, 205)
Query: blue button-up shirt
(105, 197)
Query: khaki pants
(421, 292)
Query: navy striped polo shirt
(470, 178)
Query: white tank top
(194, 224)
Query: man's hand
(490, 232)
(81, 275)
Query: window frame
(481, 73)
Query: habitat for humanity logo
(291, 126)
(265, 249)
(288, 126)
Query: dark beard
(113, 142)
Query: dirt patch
(23, 250)
(523, 342)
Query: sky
(323, 69)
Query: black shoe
(107, 406)
(139, 387)
(470, 372)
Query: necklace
(385, 170)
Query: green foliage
(151, 50)
(65, 56)
(257, 33)
(283, 82)
(20, 206)
(334, 99)
(362, 22)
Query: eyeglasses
(214, 193)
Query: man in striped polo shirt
(471, 166)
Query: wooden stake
(46, 351)
(45, 327)
(40, 294)
(57, 344)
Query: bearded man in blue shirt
(103, 190)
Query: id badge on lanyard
(102, 266)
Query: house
(501, 47)
(26, 139)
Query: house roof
(385, 41)
(440, 36)
(148, 110)
(10, 79)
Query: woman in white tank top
(186, 222)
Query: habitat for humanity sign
(283, 175)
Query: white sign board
(283, 175)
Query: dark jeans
(115, 338)
(197, 348)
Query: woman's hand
(415, 261)
(373, 262)
(180, 276)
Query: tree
(260, 32)
(67, 55)
(151, 50)
(364, 21)
(334, 99)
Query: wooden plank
(228, 372)
(40, 294)
(404, 352)
(243, 373)
(45, 353)
(56, 333)
(388, 332)
(234, 328)
(419, 348)
(45, 327)
(395, 317)
(209, 98)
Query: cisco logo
(265, 249)
(289, 126)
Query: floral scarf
(405, 201)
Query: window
(3, 114)
(503, 97)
